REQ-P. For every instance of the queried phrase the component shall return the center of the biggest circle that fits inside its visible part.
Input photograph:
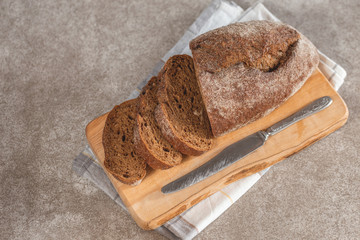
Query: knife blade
(243, 147)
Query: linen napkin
(191, 222)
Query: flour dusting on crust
(237, 93)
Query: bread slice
(181, 114)
(149, 141)
(246, 70)
(121, 160)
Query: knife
(243, 147)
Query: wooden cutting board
(151, 208)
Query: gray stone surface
(62, 63)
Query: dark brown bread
(149, 141)
(246, 70)
(181, 114)
(121, 159)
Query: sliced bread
(181, 114)
(121, 159)
(149, 141)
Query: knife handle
(306, 111)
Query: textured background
(62, 63)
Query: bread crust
(241, 86)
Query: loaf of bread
(121, 160)
(246, 70)
(149, 141)
(238, 74)
(181, 113)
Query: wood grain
(151, 208)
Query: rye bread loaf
(121, 160)
(181, 114)
(246, 70)
(149, 142)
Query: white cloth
(188, 224)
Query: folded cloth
(188, 224)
